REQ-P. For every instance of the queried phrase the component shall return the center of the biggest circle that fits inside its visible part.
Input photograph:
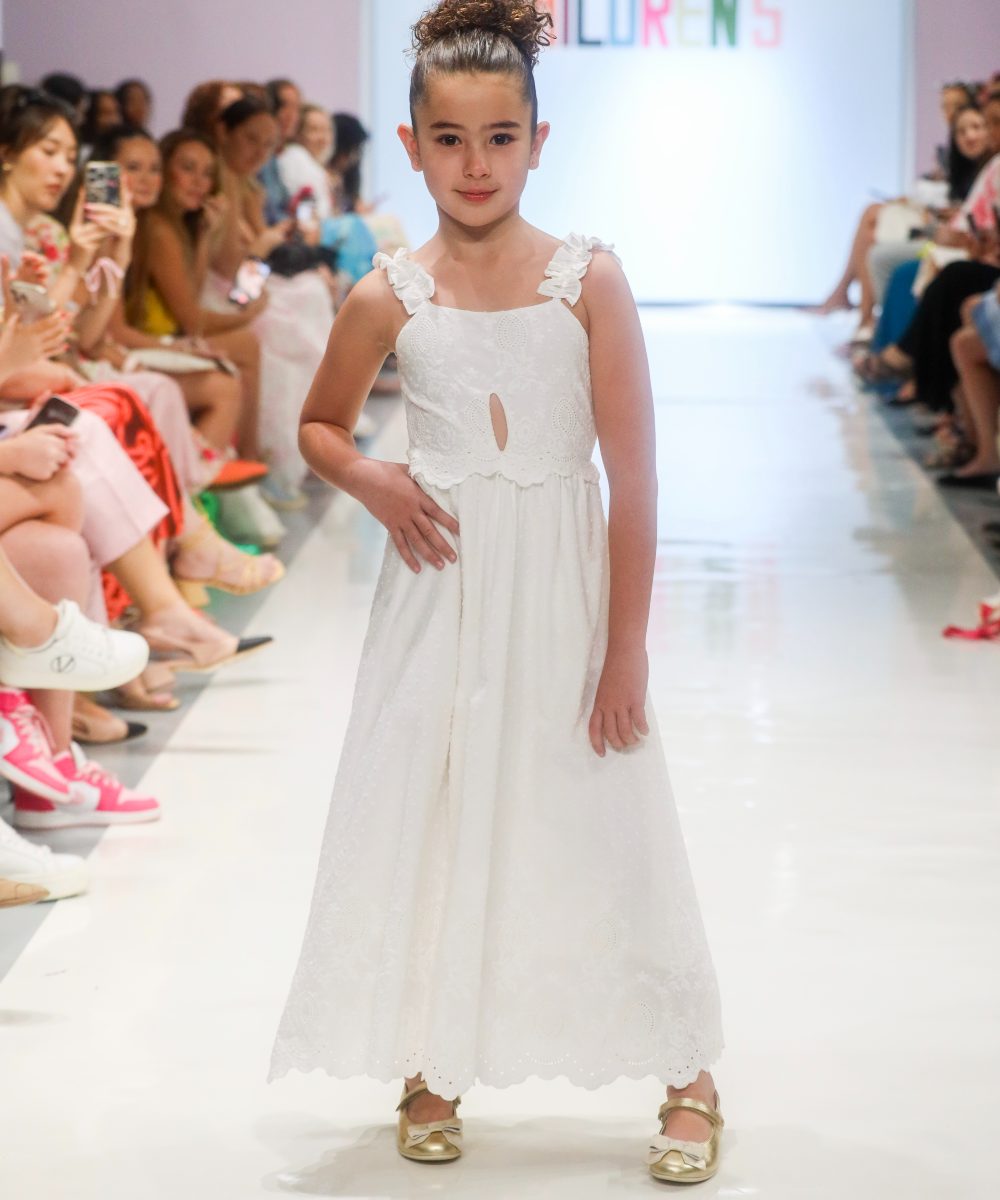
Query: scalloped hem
(671, 1078)
(450, 481)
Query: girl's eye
(507, 139)
(448, 139)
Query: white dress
(493, 900)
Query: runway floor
(837, 769)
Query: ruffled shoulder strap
(412, 283)
(564, 274)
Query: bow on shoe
(693, 1153)
(451, 1128)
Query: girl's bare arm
(362, 335)
(623, 410)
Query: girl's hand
(213, 212)
(408, 513)
(619, 714)
(271, 238)
(118, 222)
(85, 236)
(22, 345)
(32, 268)
(39, 453)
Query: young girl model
(498, 895)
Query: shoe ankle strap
(698, 1106)
(417, 1091)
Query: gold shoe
(676, 1161)
(436, 1141)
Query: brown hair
(27, 116)
(187, 226)
(502, 37)
(202, 106)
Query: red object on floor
(988, 629)
(236, 473)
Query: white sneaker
(80, 656)
(22, 861)
(245, 516)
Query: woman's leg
(864, 238)
(242, 347)
(57, 501)
(928, 340)
(214, 401)
(981, 398)
(55, 564)
(25, 618)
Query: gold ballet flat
(675, 1161)
(435, 1141)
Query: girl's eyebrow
(493, 125)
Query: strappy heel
(435, 1141)
(675, 1161)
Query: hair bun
(522, 22)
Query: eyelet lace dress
(493, 900)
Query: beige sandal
(435, 1141)
(243, 576)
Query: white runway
(837, 769)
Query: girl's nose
(476, 166)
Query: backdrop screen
(726, 147)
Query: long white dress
(493, 900)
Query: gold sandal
(676, 1161)
(435, 1141)
(252, 574)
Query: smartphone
(55, 411)
(249, 282)
(31, 301)
(305, 211)
(102, 183)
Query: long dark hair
(26, 117)
(962, 170)
(499, 37)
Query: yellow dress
(157, 319)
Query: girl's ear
(537, 142)
(409, 140)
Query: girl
(498, 896)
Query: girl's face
(41, 174)
(952, 100)
(140, 162)
(136, 106)
(991, 113)
(317, 136)
(248, 147)
(970, 134)
(190, 176)
(473, 143)
(108, 113)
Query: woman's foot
(837, 301)
(189, 641)
(93, 725)
(685, 1124)
(205, 559)
(152, 691)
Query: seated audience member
(924, 349)
(882, 241)
(70, 90)
(294, 326)
(302, 161)
(975, 349)
(135, 102)
(285, 100)
(205, 102)
(102, 114)
(41, 519)
(349, 140)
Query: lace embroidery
(564, 274)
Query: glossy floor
(837, 768)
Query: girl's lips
(476, 197)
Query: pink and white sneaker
(96, 798)
(26, 756)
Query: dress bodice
(533, 360)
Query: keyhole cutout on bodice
(499, 419)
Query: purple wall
(955, 39)
(174, 44)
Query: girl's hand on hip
(409, 514)
(619, 715)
